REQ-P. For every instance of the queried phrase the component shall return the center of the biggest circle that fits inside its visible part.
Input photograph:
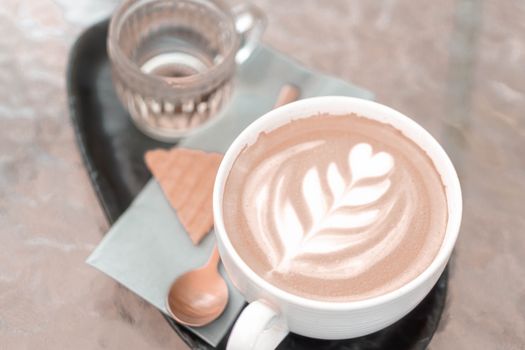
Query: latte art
(339, 217)
(335, 207)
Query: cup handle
(250, 22)
(258, 328)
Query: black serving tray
(113, 149)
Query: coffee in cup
(335, 207)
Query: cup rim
(308, 107)
(115, 52)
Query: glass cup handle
(250, 22)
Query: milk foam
(318, 203)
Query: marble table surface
(456, 66)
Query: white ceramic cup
(273, 312)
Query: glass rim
(115, 53)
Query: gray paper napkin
(147, 248)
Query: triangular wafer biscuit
(186, 178)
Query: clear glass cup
(173, 60)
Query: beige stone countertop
(456, 66)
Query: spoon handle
(214, 257)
